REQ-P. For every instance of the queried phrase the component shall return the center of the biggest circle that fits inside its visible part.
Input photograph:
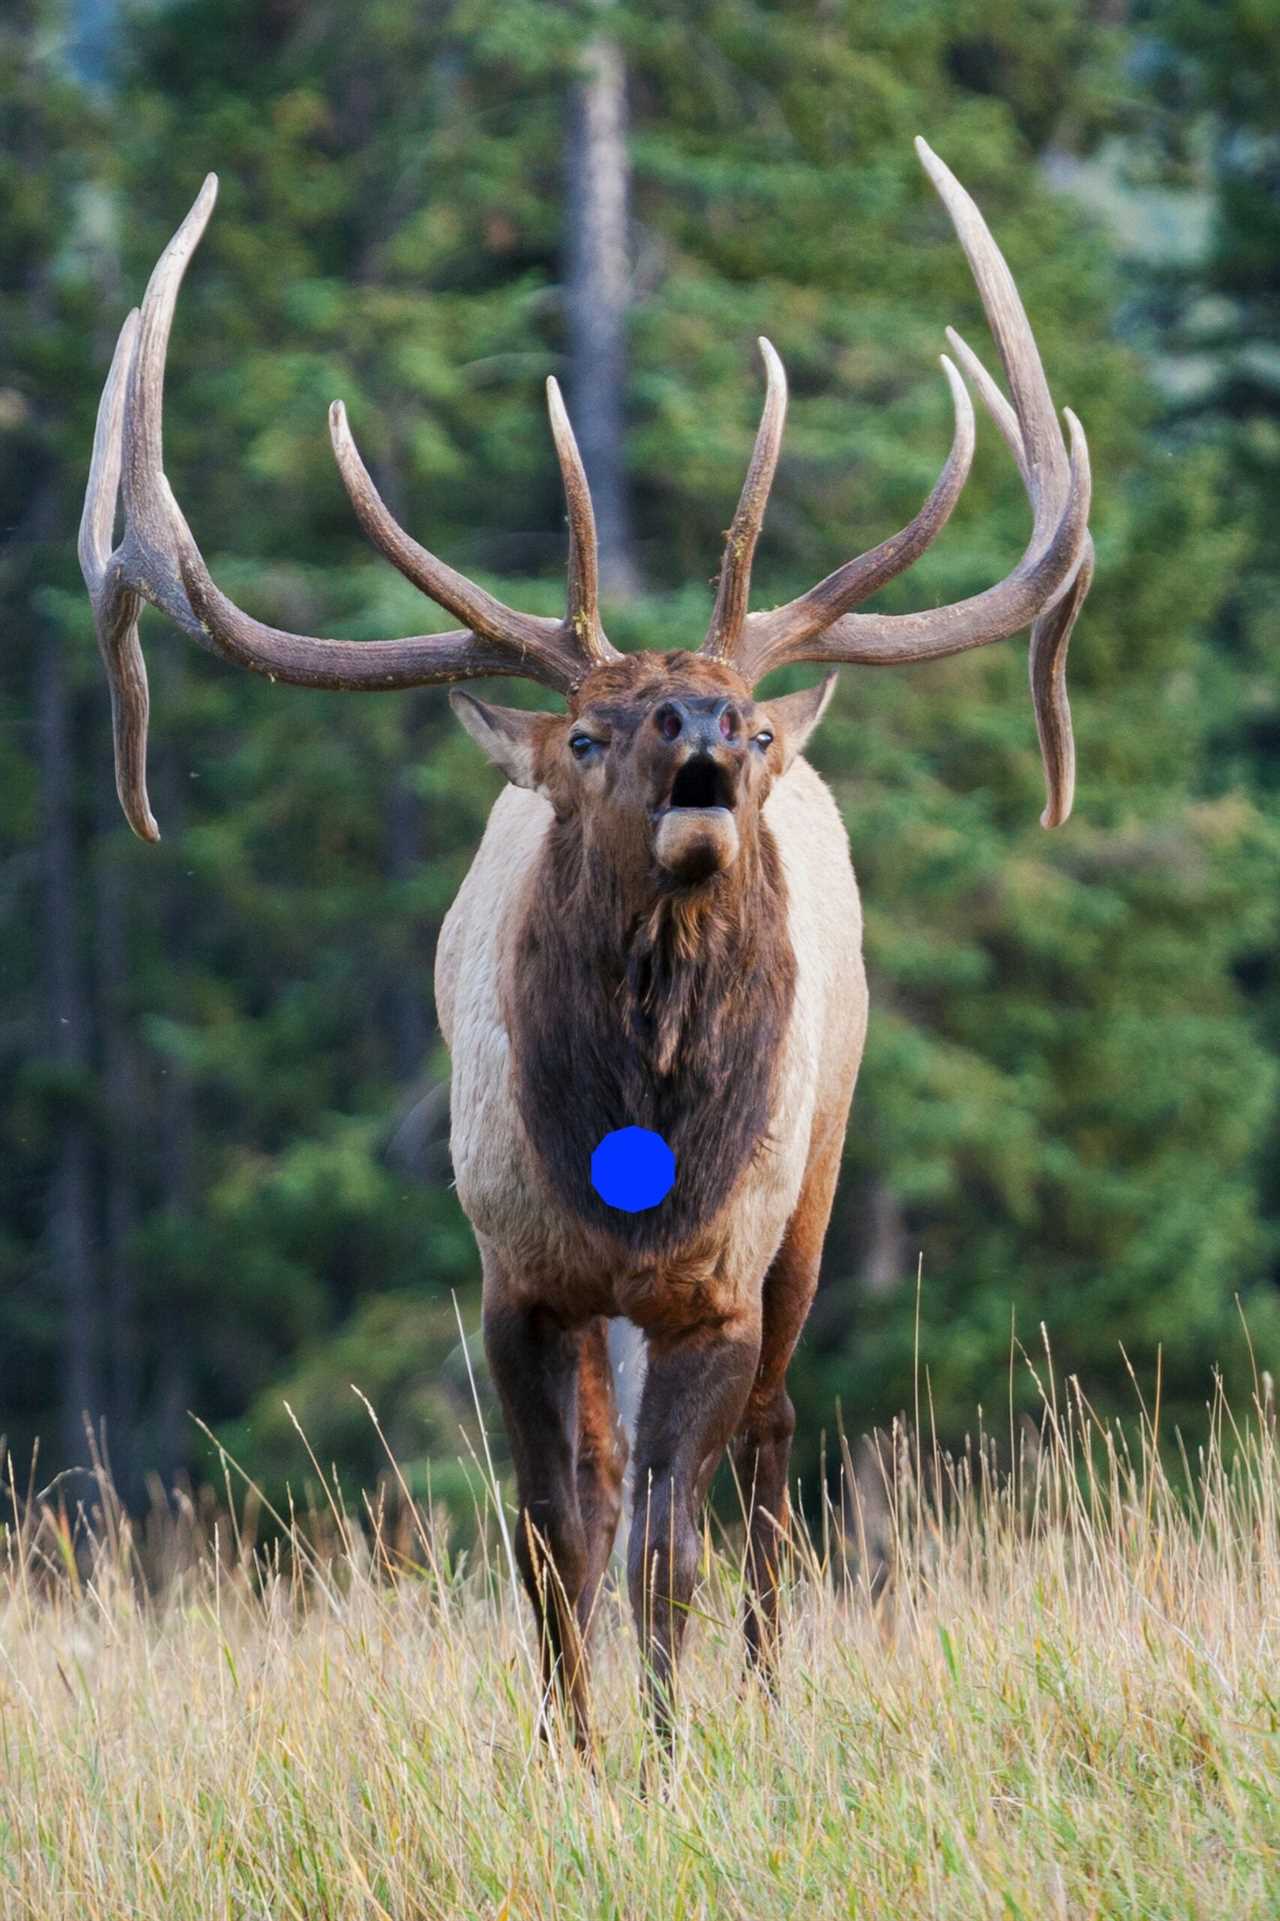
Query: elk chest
(546, 1251)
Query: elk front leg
(534, 1361)
(602, 1461)
(694, 1392)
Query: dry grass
(1065, 1701)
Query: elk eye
(764, 738)
(580, 745)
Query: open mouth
(696, 831)
(701, 783)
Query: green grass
(1064, 1700)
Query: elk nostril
(668, 722)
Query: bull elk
(661, 930)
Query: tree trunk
(596, 294)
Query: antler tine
(1051, 634)
(97, 522)
(544, 644)
(158, 561)
(730, 611)
(1046, 588)
(583, 613)
(993, 400)
(1045, 455)
(771, 638)
(115, 606)
(148, 553)
(126, 450)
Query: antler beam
(1044, 591)
(158, 560)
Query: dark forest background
(224, 1180)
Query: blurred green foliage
(1068, 1110)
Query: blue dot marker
(633, 1168)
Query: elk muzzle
(699, 786)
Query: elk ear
(796, 715)
(510, 736)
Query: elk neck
(636, 1002)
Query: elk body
(660, 930)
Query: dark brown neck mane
(665, 1009)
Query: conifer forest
(224, 1171)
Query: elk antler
(1044, 591)
(158, 560)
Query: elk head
(663, 760)
(668, 754)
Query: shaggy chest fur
(670, 1018)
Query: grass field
(1064, 1700)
